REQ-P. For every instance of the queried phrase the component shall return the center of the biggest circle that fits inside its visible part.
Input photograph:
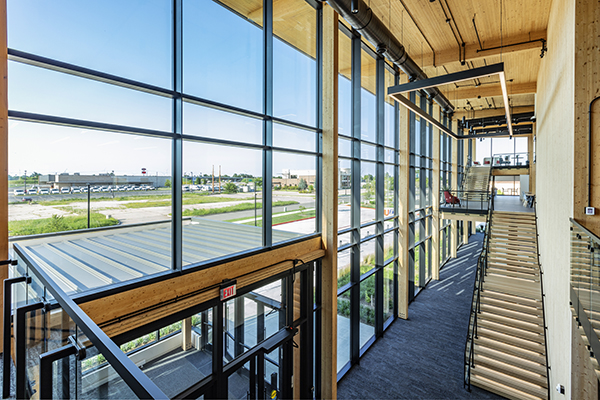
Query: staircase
(477, 179)
(509, 351)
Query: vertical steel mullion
(306, 334)
(380, 92)
(355, 201)
(177, 150)
(21, 347)
(317, 328)
(238, 332)
(217, 354)
(268, 124)
(319, 135)
(396, 193)
(260, 372)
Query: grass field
(196, 212)
(58, 224)
(280, 219)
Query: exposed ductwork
(371, 27)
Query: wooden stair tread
(493, 259)
(516, 298)
(524, 309)
(484, 382)
(510, 331)
(516, 268)
(511, 340)
(506, 348)
(496, 362)
(524, 246)
(527, 317)
(533, 327)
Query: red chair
(450, 199)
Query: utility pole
(88, 193)
(213, 179)
(25, 183)
(219, 179)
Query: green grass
(198, 212)
(286, 218)
(58, 224)
(154, 200)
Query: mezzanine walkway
(422, 357)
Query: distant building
(59, 181)
(290, 177)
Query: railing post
(21, 348)
(6, 320)
(47, 361)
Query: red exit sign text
(227, 292)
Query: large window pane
(368, 115)
(60, 171)
(43, 91)
(294, 138)
(367, 309)
(343, 330)
(294, 179)
(217, 74)
(78, 32)
(344, 193)
(344, 262)
(367, 192)
(344, 85)
(294, 61)
(216, 124)
(388, 291)
(367, 256)
(222, 205)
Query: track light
(354, 6)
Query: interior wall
(554, 184)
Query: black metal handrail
(475, 200)
(510, 160)
(139, 382)
(537, 247)
(481, 271)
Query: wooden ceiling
(433, 33)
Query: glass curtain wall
(420, 208)
(368, 201)
(159, 137)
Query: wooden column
(435, 199)
(330, 200)
(403, 210)
(531, 164)
(454, 186)
(186, 334)
(3, 152)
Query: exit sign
(227, 290)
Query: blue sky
(222, 62)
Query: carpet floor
(423, 357)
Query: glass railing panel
(98, 379)
(34, 338)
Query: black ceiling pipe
(371, 27)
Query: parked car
(122, 188)
(95, 189)
(84, 189)
(19, 192)
(75, 190)
(54, 191)
(44, 191)
(65, 190)
(104, 189)
(32, 191)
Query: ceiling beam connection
(493, 47)
(490, 90)
(397, 91)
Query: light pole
(25, 183)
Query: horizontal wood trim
(124, 311)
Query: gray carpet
(423, 357)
